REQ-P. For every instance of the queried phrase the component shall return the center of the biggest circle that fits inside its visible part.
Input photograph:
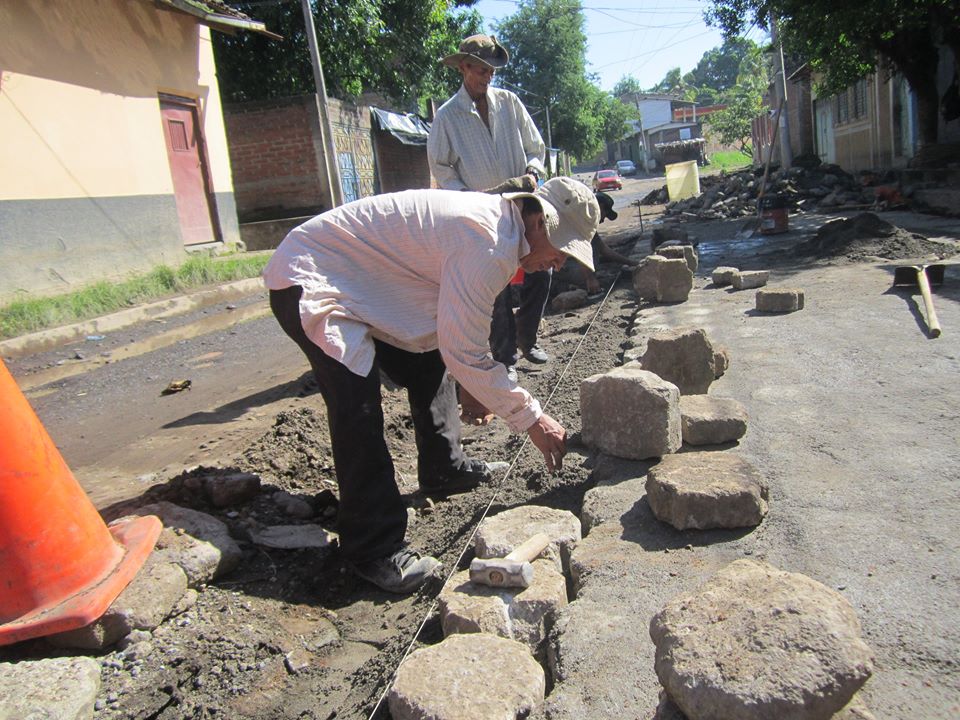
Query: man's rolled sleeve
(467, 290)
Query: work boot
(469, 476)
(400, 572)
(535, 355)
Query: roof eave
(218, 21)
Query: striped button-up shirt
(465, 154)
(419, 270)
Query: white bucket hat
(571, 214)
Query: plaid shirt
(465, 154)
(417, 269)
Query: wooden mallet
(514, 570)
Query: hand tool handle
(933, 323)
(528, 550)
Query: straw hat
(482, 49)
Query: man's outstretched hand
(550, 438)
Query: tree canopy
(843, 41)
(547, 66)
(391, 46)
(743, 99)
(715, 74)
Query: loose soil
(293, 634)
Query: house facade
(655, 126)
(114, 156)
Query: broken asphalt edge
(55, 337)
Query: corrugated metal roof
(217, 15)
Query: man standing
(405, 283)
(483, 139)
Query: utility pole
(546, 104)
(330, 165)
(780, 90)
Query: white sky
(643, 38)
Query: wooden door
(191, 184)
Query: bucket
(683, 180)
(773, 215)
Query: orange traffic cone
(60, 565)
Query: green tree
(719, 68)
(627, 85)
(392, 46)
(844, 40)
(547, 67)
(744, 101)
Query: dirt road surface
(853, 420)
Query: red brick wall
(273, 158)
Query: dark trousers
(372, 520)
(507, 330)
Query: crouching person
(405, 283)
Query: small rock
(293, 537)
(570, 300)
(233, 489)
(711, 420)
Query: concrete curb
(54, 337)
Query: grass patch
(26, 316)
(728, 161)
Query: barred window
(860, 98)
(843, 108)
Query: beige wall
(85, 185)
(78, 97)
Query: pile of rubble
(800, 188)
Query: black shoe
(401, 572)
(468, 477)
(535, 355)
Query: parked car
(626, 167)
(607, 180)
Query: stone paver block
(723, 275)
(745, 280)
(630, 412)
(674, 281)
(50, 689)
(682, 356)
(147, 601)
(570, 300)
(756, 642)
(704, 490)
(711, 420)
(779, 300)
(468, 677)
(522, 614)
(609, 502)
(661, 279)
(681, 252)
(197, 542)
(500, 534)
(645, 277)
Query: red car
(607, 180)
